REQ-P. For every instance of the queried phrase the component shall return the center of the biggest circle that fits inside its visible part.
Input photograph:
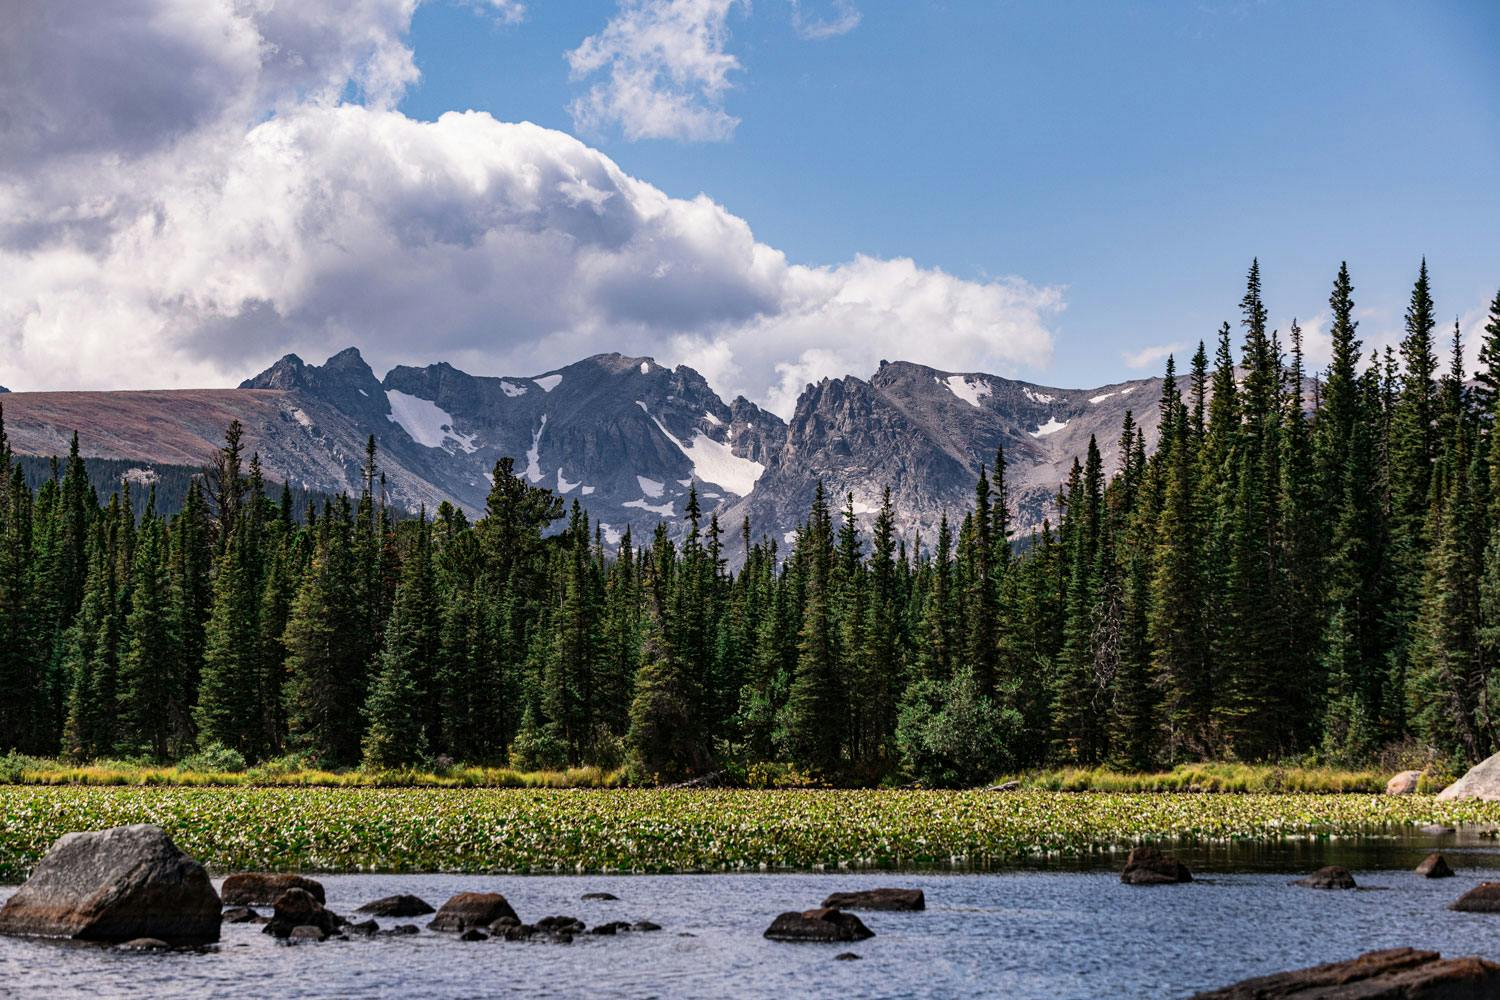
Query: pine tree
(148, 676)
(816, 694)
(396, 733)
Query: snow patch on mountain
(423, 420)
(664, 509)
(563, 486)
(547, 382)
(970, 390)
(511, 389)
(1100, 398)
(534, 454)
(1052, 426)
(713, 461)
(650, 487)
(1039, 397)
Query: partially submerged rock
(397, 906)
(878, 899)
(1392, 974)
(306, 932)
(1329, 877)
(264, 888)
(1434, 866)
(471, 909)
(116, 885)
(242, 915)
(297, 908)
(143, 944)
(606, 897)
(1481, 782)
(1149, 866)
(1483, 898)
(1404, 783)
(846, 956)
(823, 924)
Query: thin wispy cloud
(1149, 357)
(664, 72)
(841, 18)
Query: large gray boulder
(1481, 782)
(116, 885)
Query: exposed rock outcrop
(1482, 781)
(823, 924)
(1330, 877)
(1149, 866)
(1483, 898)
(878, 899)
(297, 908)
(472, 909)
(1404, 783)
(1392, 974)
(264, 888)
(397, 906)
(116, 885)
(1434, 866)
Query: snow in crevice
(650, 487)
(534, 453)
(1100, 398)
(1128, 389)
(664, 509)
(713, 461)
(547, 382)
(587, 490)
(563, 486)
(1039, 397)
(363, 393)
(685, 482)
(970, 390)
(1052, 426)
(712, 419)
(645, 368)
(426, 423)
(511, 389)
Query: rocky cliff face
(625, 436)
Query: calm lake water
(1056, 932)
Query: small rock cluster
(830, 922)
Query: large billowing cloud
(228, 202)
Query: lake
(1070, 931)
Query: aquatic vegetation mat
(544, 830)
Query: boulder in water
(1481, 782)
(878, 899)
(1434, 866)
(397, 906)
(823, 924)
(1404, 783)
(1483, 898)
(472, 909)
(116, 885)
(297, 908)
(1330, 877)
(1148, 866)
(264, 888)
(603, 897)
(1394, 973)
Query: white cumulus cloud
(190, 242)
(665, 72)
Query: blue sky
(1138, 154)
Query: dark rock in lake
(143, 944)
(560, 925)
(306, 932)
(242, 915)
(562, 937)
(264, 888)
(611, 928)
(397, 906)
(473, 934)
(601, 896)
(365, 927)
(472, 909)
(847, 956)
(1329, 877)
(1483, 898)
(401, 930)
(1392, 974)
(645, 925)
(513, 931)
(822, 924)
(116, 885)
(299, 908)
(878, 899)
(1434, 866)
(1148, 866)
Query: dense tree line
(1302, 566)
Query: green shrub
(215, 758)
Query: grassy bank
(1270, 779)
(478, 830)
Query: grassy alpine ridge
(484, 830)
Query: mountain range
(625, 436)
